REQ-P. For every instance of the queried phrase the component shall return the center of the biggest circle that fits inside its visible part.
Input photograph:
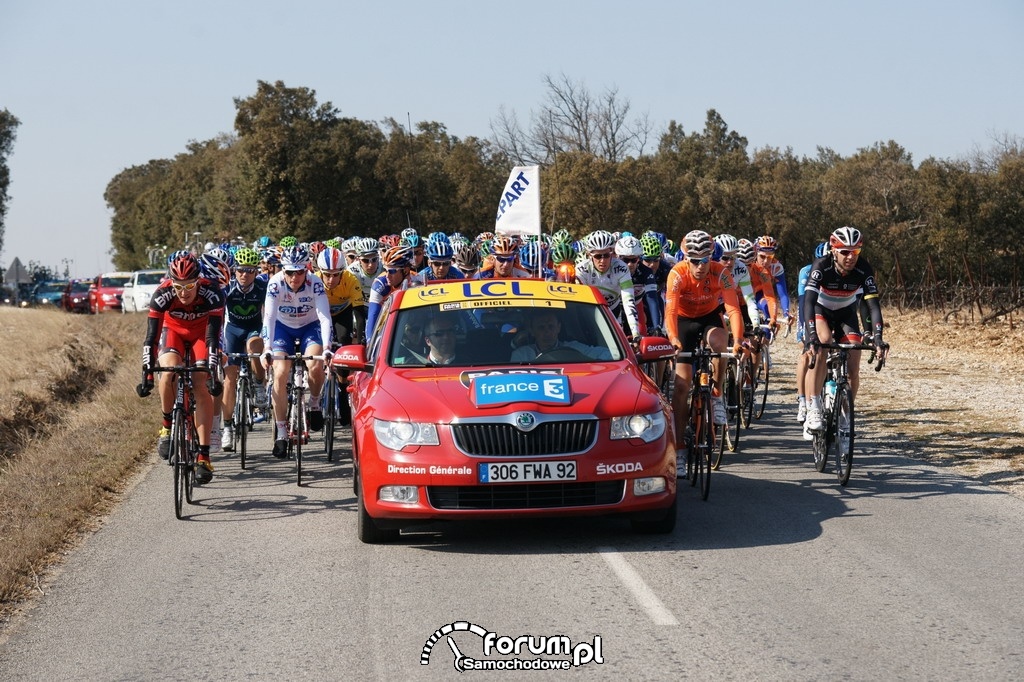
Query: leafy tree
(8, 127)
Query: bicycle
(298, 430)
(336, 408)
(763, 339)
(245, 404)
(732, 396)
(702, 422)
(184, 435)
(835, 441)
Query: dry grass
(72, 431)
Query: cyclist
(611, 277)
(185, 311)
(645, 285)
(397, 275)
(243, 322)
(563, 255)
(295, 309)
(504, 260)
(417, 255)
(366, 267)
(344, 296)
(467, 259)
(830, 310)
(766, 246)
(533, 256)
(439, 253)
(696, 288)
(802, 361)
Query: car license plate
(526, 472)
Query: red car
(106, 291)
(75, 298)
(500, 398)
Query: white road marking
(635, 584)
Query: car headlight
(647, 427)
(396, 435)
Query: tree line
(294, 165)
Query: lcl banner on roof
(519, 206)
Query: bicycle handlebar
(848, 346)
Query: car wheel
(369, 532)
(658, 526)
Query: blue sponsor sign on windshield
(500, 389)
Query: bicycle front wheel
(842, 428)
(243, 417)
(746, 392)
(190, 459)
(704, 441)
(298, 431)
(177, 456)
(330, 414)
(761, 386)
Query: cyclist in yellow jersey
(344, 295)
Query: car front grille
(526, 495)
(489, 439)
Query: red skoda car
(505, 398)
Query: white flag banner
(519, 207)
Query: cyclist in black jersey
(243, 314)
(831, 312)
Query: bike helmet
(183, 266)
(247, 257)
(411, 240)
(629, 246)
(215, 269)
(333, 242)
(330, 259)
(295, 258)
(562, 252)
(503, 245)
(367, 246)
(599, 240)
(846, 238)
(178, 254)
(745, 251)
(533, 255)
(766, 244)
(288, 242)
(397, 257)
(439, 249)
(410, 232)
(263, 242)
(728, 243)
(466, 257)
(389, 240)
(698, 244)
(820, 250)
(651, 247)
(561, 237)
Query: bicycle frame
(184, 434)
(701, 422)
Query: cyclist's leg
(848, 331)
(254, 345)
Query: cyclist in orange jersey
(696, 286)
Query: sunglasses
(504, 259)
(600, 256)
(651, 260)
(440, 263)
(700, 261)
(396, 271)
(331, 273)
(368, 260)
(293, 273)
(848, 252)
(442, 332)
(628, 259)
(185, 287)
(727, 258)
(469, 272)
(246, 271)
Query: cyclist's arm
(629, 302)
(782, 290)
(671, 307)
(732, 305)
(213, 326)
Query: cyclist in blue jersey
(397, 276)
(802, 360)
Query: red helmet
(183, 267)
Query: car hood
(439, 394)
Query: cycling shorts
(173, 341)
(843, 323)
(691, 330)
(235, 339)
(284, 338)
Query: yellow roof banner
(498, 293)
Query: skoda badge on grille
(526, 421)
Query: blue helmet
(295, 258)
(820, 250)
(533, 255)
(439, 249)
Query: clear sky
(103, 85)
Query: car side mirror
(654, 348)
(351, 357)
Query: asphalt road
(911, 572)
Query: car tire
(369, 532)
(663, 526)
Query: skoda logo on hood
(526, 421)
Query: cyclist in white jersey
(295, 309)
(367, 266)
(610, 276)
(740, 275)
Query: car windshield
(113, 281)
(150, 277)
(566, 333)
(80, 287)
(51, 288)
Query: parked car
(139, 289)
(75, 298)
(506, 429)
(106, 291)
(49, 293)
